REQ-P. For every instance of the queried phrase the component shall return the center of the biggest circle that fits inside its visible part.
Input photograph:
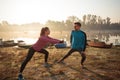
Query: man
(78, 43)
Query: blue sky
(27, 11)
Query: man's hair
(78, 23)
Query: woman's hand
(61, 41)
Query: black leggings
(29, 56)
(74, 50)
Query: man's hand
(83, 52)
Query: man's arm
(71, 38)
(85, 41)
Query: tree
(104, 21)
(56, 25)
(88, 18)
(69, 25)
(84, 19)
(93, 19)
(108, 21)
(100, 21)
(5, 23)
(50, 24)
(73, 19)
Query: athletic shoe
(61, 62)
(47, 65)
(83, 67)
(20, 77)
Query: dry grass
(101, 64)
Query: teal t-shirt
(78, 40)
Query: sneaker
(61, 62)
(83, 67)
(47, 65)
(20, 77)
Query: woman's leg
(28, 57)
(46, 54)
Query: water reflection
(26, 40)
(107, 39)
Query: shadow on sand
(54, 75)
(101, 77)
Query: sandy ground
(101, 64)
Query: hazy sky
(27, 11)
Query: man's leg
(68, 54)
(83, 58)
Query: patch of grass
(101, 64)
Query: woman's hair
(43, 31)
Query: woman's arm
(51, 40)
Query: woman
(43, 40)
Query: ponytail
(43, 31)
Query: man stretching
(78, 43)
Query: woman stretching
(43, 40)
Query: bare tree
(84, 19)
(108, 21)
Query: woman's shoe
(20, 77)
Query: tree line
(89, 22)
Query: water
(31, 37)
(26, 40)
(115, 40)
(111, 39)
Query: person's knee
(26, 60)
(47, 53)
(84, 56)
